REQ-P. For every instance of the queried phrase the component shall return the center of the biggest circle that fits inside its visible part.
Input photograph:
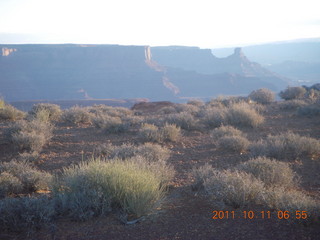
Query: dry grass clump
(46, 111)
(150, 151)
(262, 95)
(21, 177)
(8, 112)
(293, 93)
(271, 172)
(286, 145)
(95, 187)
(30, 135)
(150, 132)
(76, 115)
(25, 213)
(292, 104)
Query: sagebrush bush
(76, 115)
(46, 110)
(292, 200)
(292, 93)
(196, 102)
(309, 111)
(213, 117)
(262, 95)
(224, 131)
(241, 114)
(30, 135)
(271, 172)
(184, 120)
(25, 214)
(121, 184)
(150, 132)
(150, 151)
(233, 143)
(21, 177)
(292, 104)
(110, 124)
(8, 112)
(286, 145)
(234, 188)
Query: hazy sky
(201, 23)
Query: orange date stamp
(259, 215)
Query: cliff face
(66, 72)
(78, 72)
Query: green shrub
(76, 115)
(233, 143)
(30, 135)
(263, 96)
(25, 214)
(123, 184)
(292, 93)
(21, 177)
(286, 145)
(241, 114)
(46, 111)
(235, 188)
(272, 172)
(8, 112)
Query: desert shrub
(286, 145)
(292, 93)
(120, 184)
(242, 114)
(30, 135)
(167, 110)
(150, 151)
(46, 111)
(224, 131)
(271, 172)
(76, 115)
(309, 111)
(110, 124)
(28, 156)
(110, 111)
(8, 112)
(21, 177)
(233, 143)
(196, 102)
(214, 116)
(234, 188)
(292, 104)
(26, 213)
(150, 132)
(185, 120)
(292, 201)
(262, 95)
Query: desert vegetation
(126, 166)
